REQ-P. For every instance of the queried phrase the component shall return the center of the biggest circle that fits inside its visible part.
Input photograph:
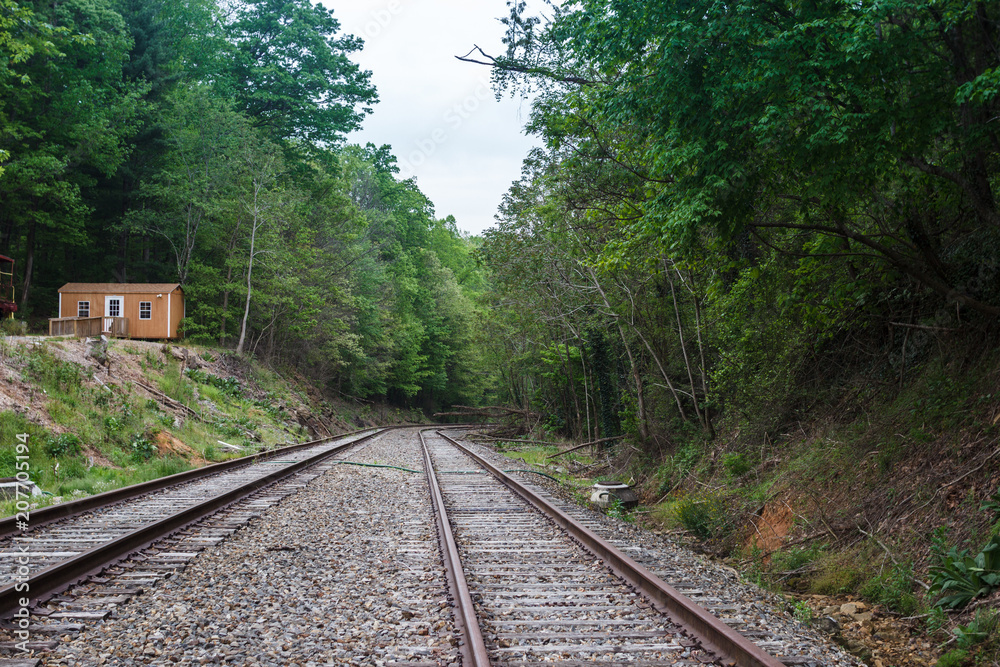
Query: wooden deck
(81, 327)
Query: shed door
(112, 309)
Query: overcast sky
(439, 114)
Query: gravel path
(344, 572)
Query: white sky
(439, 114)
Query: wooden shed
(131, 310)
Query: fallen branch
(528, 442)
(586, 444)
(893, 558)
(921, 326)
(166, 399)
(951, 483)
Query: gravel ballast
(344, 572)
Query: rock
(827, 624)
(863, 617)
(849, 608)
(175, 352)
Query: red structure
(7, 305)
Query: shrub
(702, 516)
(64, 444)
(960, 577)
(736, 465)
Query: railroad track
(360, 548)
(116, 540)
(532, 585)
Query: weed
(954, 658)
(736, 465)
(703, 516)
(802, 611)
(960, 577)
(153, 361)
(52, 374)
(937, 620)
(839, 573)
(174, 385)
(617, 510)
(992, 504)
(141, 448)
(795, 558)
(892, 588)
(229, 386)
(981, 628)
(64, 444)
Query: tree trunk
(225, 306)
(29, 265)
(246, 306)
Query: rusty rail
(46, 515)
(61, 576)
(473, 650)
(714, 635)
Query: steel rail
(47, 515)
(715, 635)
(473, 649)
(61, 576)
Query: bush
(702, 516)
(892, 588)
(736, 465)
(960, 577)
(13, 327)
(64, 444)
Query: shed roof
(120, 288)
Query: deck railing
(82, 327)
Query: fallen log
(512, 439)
(177, 405)
(586, 444)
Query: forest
(736, 203)
(758, 247)
(729, 200)
(203, 143)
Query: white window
(114, 307)
(145, 310)
(83, 309)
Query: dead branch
(510, 66)
(170, 402)
(586, 444)
(512, 439)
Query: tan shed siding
(69, 302)
(157, 325)
(176, 311)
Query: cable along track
(541, 596)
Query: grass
(104, 439)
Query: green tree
(291, 73)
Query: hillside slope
(102, 414)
